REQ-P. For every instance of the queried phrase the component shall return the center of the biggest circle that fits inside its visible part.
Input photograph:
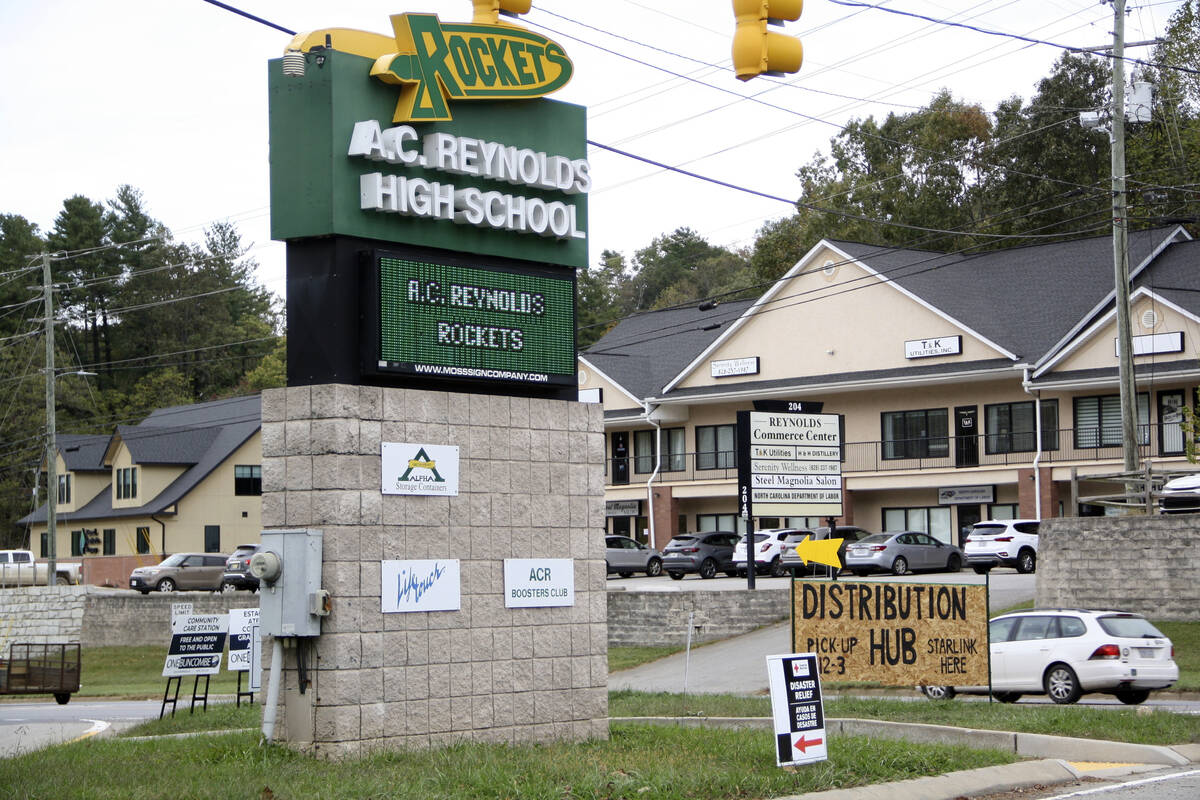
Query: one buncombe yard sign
(893, 634)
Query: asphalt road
(29, 726)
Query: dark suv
(237, 569)
(705, 553)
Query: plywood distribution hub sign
(896, 634)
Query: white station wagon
(1065, 653)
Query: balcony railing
(945, 453)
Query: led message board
(442, 317)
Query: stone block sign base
(531, 486)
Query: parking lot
(1007, 587)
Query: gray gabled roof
(1026, 299)
(644, 352)
(153, 445)
(1175, 276)
(206, 434)
(83, 452)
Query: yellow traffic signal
(757, 50)
(487, 12)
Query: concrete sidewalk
(731, 666)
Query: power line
(800, 203)
(1098, 51)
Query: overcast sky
(170, 96)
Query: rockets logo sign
(436, 62)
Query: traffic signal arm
(487, 12)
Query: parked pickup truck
(18, 568)
(41, 669)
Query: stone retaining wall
(1146, 564)
(94, 616)
(651, 618)
(41, 614)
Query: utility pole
(51, 444)
(1129, 437)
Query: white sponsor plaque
(421, 585)
(419, 469)
(539, 582)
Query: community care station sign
(895, 634)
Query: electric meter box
(290, 567)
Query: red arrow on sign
(803, 744)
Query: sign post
(197, 642)
(243, 627)
(797, 710)
(789, 465)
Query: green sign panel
(505, 178)
(442, 321)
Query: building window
(45, 544)
(674, 449)
(110, 542)
(143, 541)
(1002, 511)
(1098, 420)
(247, 479)
(1012, 427)
(916, 434)
(934, 520)
(715, 447)
(643, 451)
(64, 489)
(212, 538)
(126, 483)
(716, 522)
(78, 541)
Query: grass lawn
(1123, 725)
(136, 672)
(638, 761)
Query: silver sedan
(900, 553)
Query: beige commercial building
(938, 365)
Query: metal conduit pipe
(268, 725)
(1037, 458)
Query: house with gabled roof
(943, 368)
(186, 478)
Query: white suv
(768, 549)
(1003, 543)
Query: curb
(953, 785)
(1050, 767)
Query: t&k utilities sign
(539, 582)
(419, 469)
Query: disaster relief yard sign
(895, 634)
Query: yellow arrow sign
(821, 551)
